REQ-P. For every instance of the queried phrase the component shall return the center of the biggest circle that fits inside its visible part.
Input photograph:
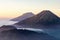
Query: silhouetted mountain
(24, 16)
(42, 19)
(24, 35)
(6, 28)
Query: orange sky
(14, 8)
(12, 14)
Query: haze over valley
(29, 19)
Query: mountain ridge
(44, 18)
(22, 17)
(40, 16)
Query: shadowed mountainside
(44, 18)
(24, 35)
(22, 17)
(6, 27)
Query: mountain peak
(46, 12)
(48, 17)
(28, 13)
(24, 16)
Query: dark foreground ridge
(23, 17)
(44, 18)
(24, 35)
(6, 27)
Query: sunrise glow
(14, 8)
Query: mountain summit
(24, 16)
(45, 18)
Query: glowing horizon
(14, 8)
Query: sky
(14, 8)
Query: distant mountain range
(23, 17)
(44, 18)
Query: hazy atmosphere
(14, 8)
(29, 19)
